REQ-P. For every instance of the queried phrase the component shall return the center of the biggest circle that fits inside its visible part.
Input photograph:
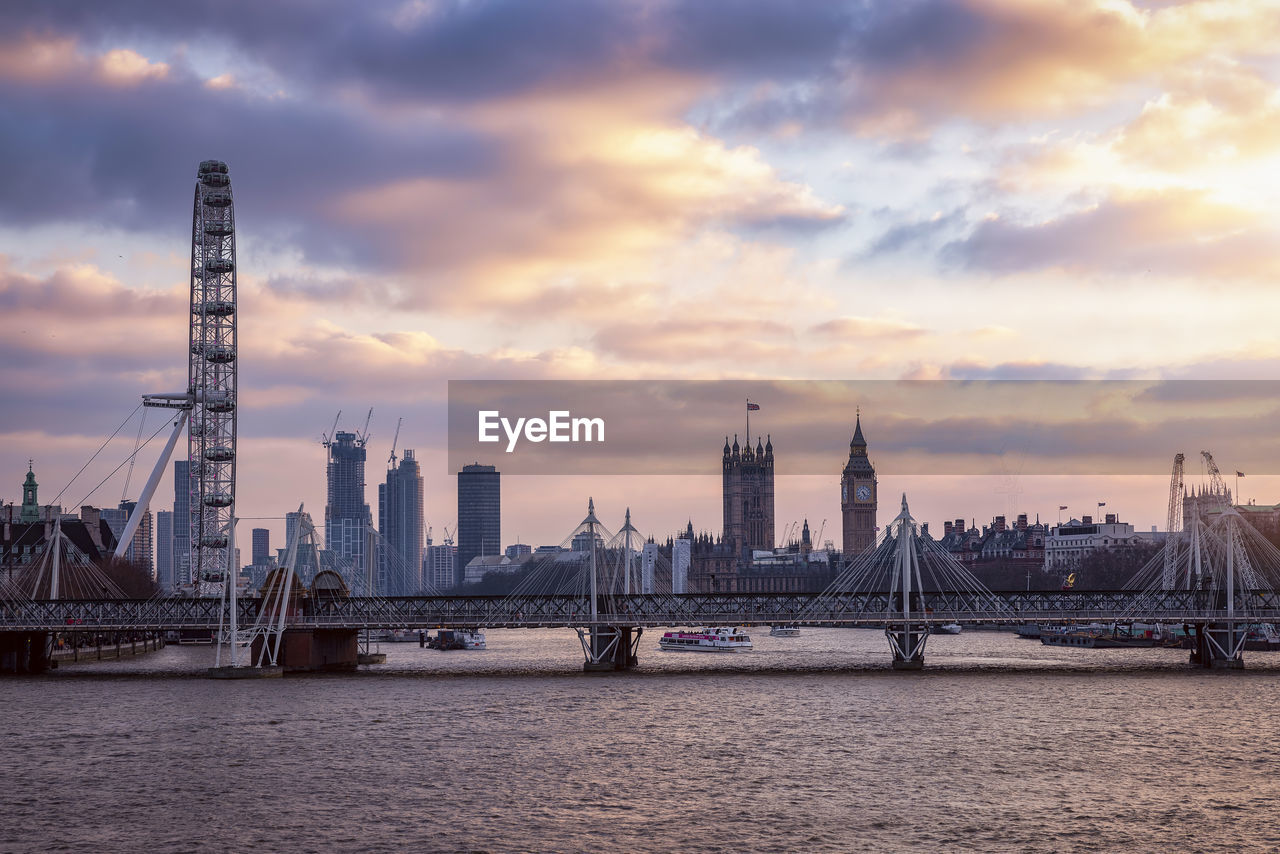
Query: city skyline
(1136, 499)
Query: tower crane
(391, 461)
(1174, 522)
(1175, 495)
(326, 439)
(1217, 486)
(362, 438)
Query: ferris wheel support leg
(140, 508)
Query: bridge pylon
(605, 647)
(610, 648)
(906, 628)
(1219, 644)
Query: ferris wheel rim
(212, 379)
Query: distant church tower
(30, 504)
(858, 497)
(748, 496)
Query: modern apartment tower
(181, 523)
(261, 546)
(400, 523)
(347, 519)
(307, 561)
(141, 551)
(439, 565)
(479, 515)
(164, 550)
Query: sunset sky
(429, 191)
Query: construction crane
(391, 461)
(1174, 523)
(818, 538)
(362, 438)
(1217, 486)
(326, 439)
(1175, 495)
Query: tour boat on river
(457, 639)
(787, 631)
(720, 639)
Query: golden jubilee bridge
(1223, 581)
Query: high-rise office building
(479, 515)
(115, 518)
(748, 496)
(438, 565)
(261, 546)
(164, 549)
(181, 523)
(681, 558)
(347, 519)
(307, 561)
(400, 523)
(141, 550)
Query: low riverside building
(26, 529)
(1070, 543)
(716, 567)
(1020, 544)
(478, 567)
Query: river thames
(804, 744)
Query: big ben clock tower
(858, 497)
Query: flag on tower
(1239, 474)
(752, 407)
(1062, 507)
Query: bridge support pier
(1218, 646)
(906, 642)
(24, 652)
(610, 648)
(311, 650)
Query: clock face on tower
(863, 493)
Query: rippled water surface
(804, 744)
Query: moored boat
(721, 639)
(457, 639)
(1098, 636)
(784, 631)
(948, 629)
(398, 636)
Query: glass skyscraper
(347, 519)
(181, 523)
(400, 523)
(479, 515)
(164, 549)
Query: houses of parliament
(744, 557)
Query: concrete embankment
(106, 651)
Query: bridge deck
(644, 610)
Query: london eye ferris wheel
(212, 375)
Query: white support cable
(95, 455)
